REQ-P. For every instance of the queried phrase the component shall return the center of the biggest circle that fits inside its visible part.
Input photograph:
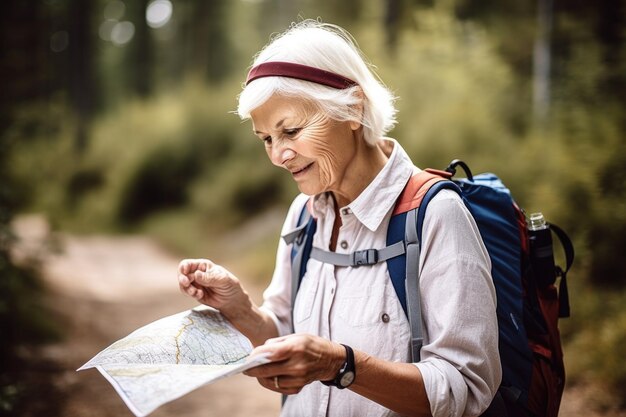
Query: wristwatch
(347, 373)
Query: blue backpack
(528, 303)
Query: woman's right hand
(215, 286)
(210, 284)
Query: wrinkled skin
(322, 154)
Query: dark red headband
(301, 72)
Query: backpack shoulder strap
(302, 240)
(410, 199)
(414, 220)
(416, 188)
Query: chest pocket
(367, 301)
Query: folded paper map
(170, 357)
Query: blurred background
(120, 154)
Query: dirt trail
(107, 286)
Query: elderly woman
(322, 114)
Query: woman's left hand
(297, 360)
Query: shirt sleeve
(460, 363)
(277, 296)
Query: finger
(277, 339)
(190, 291)
(281, 383)
(277, 349)
(269, 370)
(271, 383)
(199, 293)
(184, 280)
(268, 383)
(188, 266)
(193, 292)
(184, 283)
(201, 278)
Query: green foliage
(158, 182)
(24, 319)
(247, 185)
(454, 92)
(607, 231)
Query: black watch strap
(347, 373)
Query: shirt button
(385, 318)
(346, 211)
(344, 244)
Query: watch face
(347, 379)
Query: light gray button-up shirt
(359, 307)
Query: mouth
(301, 171)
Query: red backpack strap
(417, 186)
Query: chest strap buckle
(365, 257)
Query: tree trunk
(392, 23)
(541, 63)
(81, 78)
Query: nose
(281, 153)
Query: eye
(267, 140)
(292, 132)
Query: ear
(358, 107)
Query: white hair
(333, 49)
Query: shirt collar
(379, 197)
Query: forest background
(116, 117)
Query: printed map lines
(166, 359)
(180, 332)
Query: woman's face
(300, 138)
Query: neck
(366, 164)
